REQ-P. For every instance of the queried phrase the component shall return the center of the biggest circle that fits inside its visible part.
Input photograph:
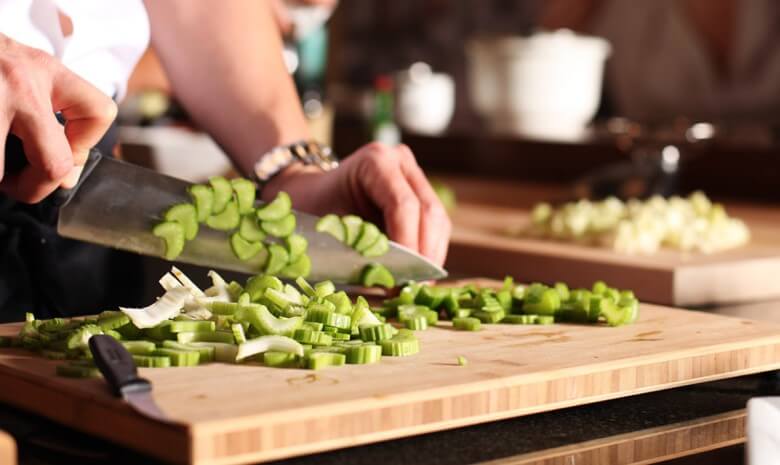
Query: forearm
(225, 65)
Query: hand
(33, 87)
(378, 183)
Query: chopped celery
(203, 196)
(276, 209)
(244, 249)
(227, 219)
(223, 194)
(139, 347)
(182, 326)
(172, 234)
(298, 268)
(466, 324)
(168, 306)
(152, 361)
(277, 259)
(179, 358)
(331, 224)
(245, 192)
(186, 215)
(369, 234)
(113, 320)
(206, 353)
(462, 361)
(296, 246)
(400, 346)
(376, 333)
(378, 248)
(352, 227)
(375, 274)
(266, 343)
(257, 285)
(282, 227)
(364, 354)
(324, 289)
(250, 229)
(77, 371)
(267, 324)
(417, 323)
(549, 301)
(205, 336)
(320, 360)
(280, 359)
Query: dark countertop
(41, 442)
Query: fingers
(47, 152)
(384, 182)
(435, 225)
(88, 113)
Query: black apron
(51, 276)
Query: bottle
(383, 126)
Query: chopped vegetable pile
(687, 224)
(418, 306)
(306, 326)
(267, 232)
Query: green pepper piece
(250, 229)
(379, 248)
(369, 234)
(296, 246)
(245, 194)
(203, 196)
(331, 224)
(375, 274)
(173, 235)
(244, 249)
(282, 227)
(352, 226)
(223, 194)
(186, 215)
(277, 209)
(277, 259)
(298, 268)
(227, 219)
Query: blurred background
(593, 97)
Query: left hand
(377, 182)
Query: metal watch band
(307, 152)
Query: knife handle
(117, 365)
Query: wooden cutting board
(7, 449)
(481, 246)
(249, 413)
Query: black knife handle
(117, 365)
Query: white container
(425, 101)
(547, 85)
(763, 431)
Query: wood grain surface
(652, 445)
(7, 449)
(482, 246)
(249, 413)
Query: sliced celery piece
(417, 323)
(250, 229)
(489, 317)
(277, 259)
(376, 333)
(549, 301)
(112, 320)
(320, 360)
(80, 337)
(375, 274)
(400, 346)
(77, 371)
(296, 246)
(245, 194)
(364, 354)
(173, 235)
(299, 268)
(244, 249)
(152, 361)
(282, 227)
(223, 352)
(276, 359)
(206, 352)
(227, 219)
(203, 197)
(139, 347)
(257, 285)
(186, 215)
(545, 320)
(205, 336)
(324, 289)
(462, 361)
(369, 234)
(265, 323)
(276, 209)
(179, 358)
(238, 333)
(266, 343)
(352, 227)
(331, 224)
(379, 248)
(223, 194)
(184, 326)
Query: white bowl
(547, 85)
(425, 101)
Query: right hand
(33, 87)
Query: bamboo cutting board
(481, 246)
(249, 413)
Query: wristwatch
(306, 152)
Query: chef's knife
(117, 204)
(119, 370)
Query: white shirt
(107, 39)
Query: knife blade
(119, 370)
(116, 204)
